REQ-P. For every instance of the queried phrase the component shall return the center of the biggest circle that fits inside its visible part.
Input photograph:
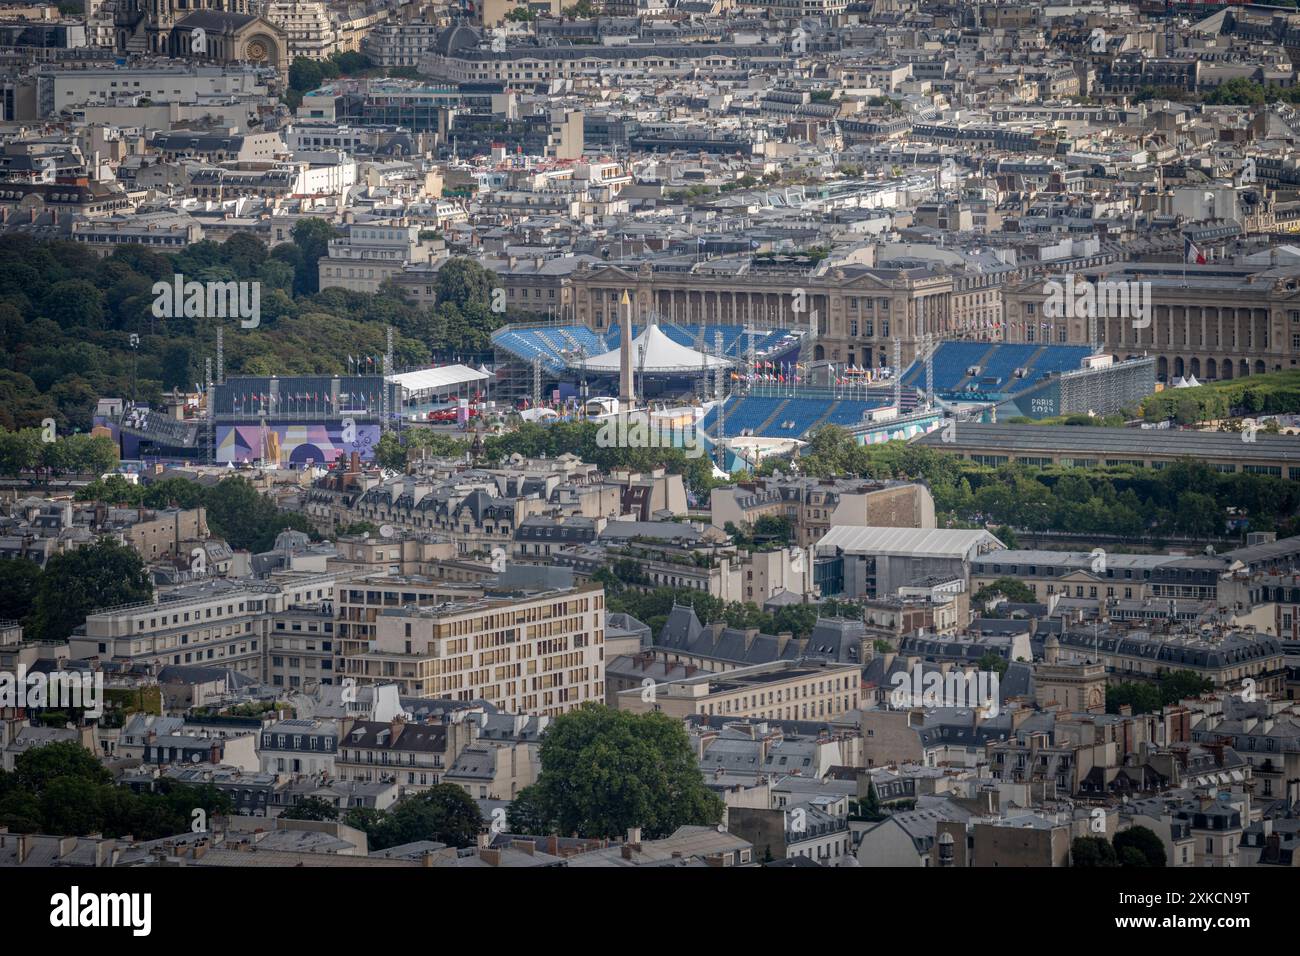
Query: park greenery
(444, 813)
(236, 511)
(605, 771)
(1148, 698)
(1115, 420)
(1241, 91)
(67, 317)
(49, 602)
(1134, 847)
(535, 440)
(1276, 393)
(62, 788)
(1187, 499)
(1013, 589)
(306, 74)
(768, 533)
(627, 593)
(26, 451)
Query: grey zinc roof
(1230, 649)
(416, 737)
(1270, 550)
(831, 639)
(734, 755)
(215, 20)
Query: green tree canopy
(61, 788)
(605, 770)
(1139, 843)
(311, 808)
(1014, 590)
(444, 813)
(75, 583)
(1092, 851)
(19, 582)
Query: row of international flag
(766, 371)
(295, 400)
(795, 373)
(998, 326)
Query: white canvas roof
(938, 542)
(446, 376)
(653, 349)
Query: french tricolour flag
(1191, 253)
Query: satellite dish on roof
(387, 531)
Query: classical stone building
(1077, 686)
(212, 31)
(858, 311)
(1215, 321)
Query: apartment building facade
(221, 623)
(527, 652)
(814, 506)
(359, 604)
(371, 253)
(414, 756)
(300, 646)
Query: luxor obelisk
(626, 386)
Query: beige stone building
(1215, 321)
(529, 653)
(359, 604)
(859, 312)
(814, 506)
(371, 253)
(308, 27)
(167, 533)
(412, 755)
(1075, 686)
(217, 623)
(1223, 657)
(782, 690)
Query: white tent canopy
(437, 380)
(653, 350)
(538, 414)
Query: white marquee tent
(654, 351)
(429, 384)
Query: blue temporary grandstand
(774, 416)
(560, 345)
(996, 364)
(557, 345)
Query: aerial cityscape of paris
(670, 435)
